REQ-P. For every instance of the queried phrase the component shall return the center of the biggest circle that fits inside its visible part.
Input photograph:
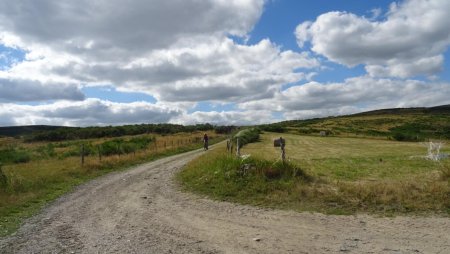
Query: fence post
(82, 154)
(238, 149)
(3, 178)
(231, 146)
(99, 153)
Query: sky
(224, 62)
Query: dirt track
(143, 211)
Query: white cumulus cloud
(249, 117)
(85, 113)
(357, 94)
(410, 41)
(176, 51)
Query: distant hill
(60, 133)
(403, 124)
(444, 109)
(13, 131)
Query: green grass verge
(330, 188)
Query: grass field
(53, 168)
(351, 159)
(337, 175)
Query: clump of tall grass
(46, 151)
(409, 195)
(231, 178)
(14, 155)
(445, 172)
(115, 146)
(286, 185)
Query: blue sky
(239, 62)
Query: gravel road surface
(142, 210)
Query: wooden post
(3, 177)
(82, 154)
(231, 146)
(238, 149)
(99, 153)
(283, 151)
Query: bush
(88, 149)
(21, 157)
(14, 155)
(404, 137)
(141, 142)
(247, 136)
(47, 151)
(119, 146)
(111, 147)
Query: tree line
(74, 133)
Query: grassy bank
(335, 175)
(26, 187)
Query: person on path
(205, 142)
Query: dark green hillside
(13, 131)
(403, 124)
(444, 109)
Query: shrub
(47, 151)
(14, 155)
(247, 136)
(119, 146)
(21, 157)
(405, 137)
(111, 147)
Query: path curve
(142, 210)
